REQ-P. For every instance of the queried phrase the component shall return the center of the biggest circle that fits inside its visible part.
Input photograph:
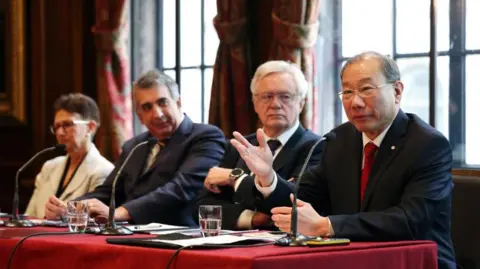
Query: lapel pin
(393, 148)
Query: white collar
(285, 136)
(378, 140)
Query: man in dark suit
(158, 184)
(278, 90)
(387, 175)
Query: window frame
(457, 69)
(159, 59)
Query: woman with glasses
(83, 168)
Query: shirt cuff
(331, 232)
(244, 221)
(238, 181)
(266, 191)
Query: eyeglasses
(66, 125)
(364, 92)
(267, 97)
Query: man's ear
(398, 87)
(179, 102)
(302, 103)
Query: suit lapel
(84, 168)
(391, 145)
(177, 138)
(56, 175)
(285, 153)
(352, 176)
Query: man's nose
(157, 111)
(357, 101)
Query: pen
(147, 227)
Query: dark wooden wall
(59, 58)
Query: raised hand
(258, 159)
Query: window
(184, 46)
(402, 29)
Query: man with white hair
(278, 89)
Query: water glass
(210, 217)
(77, 216)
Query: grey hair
(155, 78)
(271, 67)
(388, 66)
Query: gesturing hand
(258, 159)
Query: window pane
(366, 25)
(191, 89)
(168, 34)
(190, 26)
(208, 90)
(472, 110)
(415, 77)
(211, 38)
(413, 35)
(170, 73)
(473, 21)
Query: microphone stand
(293, 238)
(16, 220)
(111, 228)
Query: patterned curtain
(295, 30)
(113, 78)
(231, 106)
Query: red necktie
(369, 153)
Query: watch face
(237, 172)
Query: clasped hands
(259, 160)
(55, 208)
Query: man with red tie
(386, 176)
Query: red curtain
(231, 106)
(295, 30)
(113, 77)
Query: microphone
(291, 239)
(15, 220)
(111, 228)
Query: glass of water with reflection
(210, 218)
(77, 216)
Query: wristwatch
(235, 174)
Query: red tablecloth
(90, 251)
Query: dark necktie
(369, 153)
(273, 144)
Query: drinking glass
(210, 217)
(77, 216)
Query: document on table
(221, 239)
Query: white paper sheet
(217, 240)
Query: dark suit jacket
(287, 164)
(408, 192)
(165, 193)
